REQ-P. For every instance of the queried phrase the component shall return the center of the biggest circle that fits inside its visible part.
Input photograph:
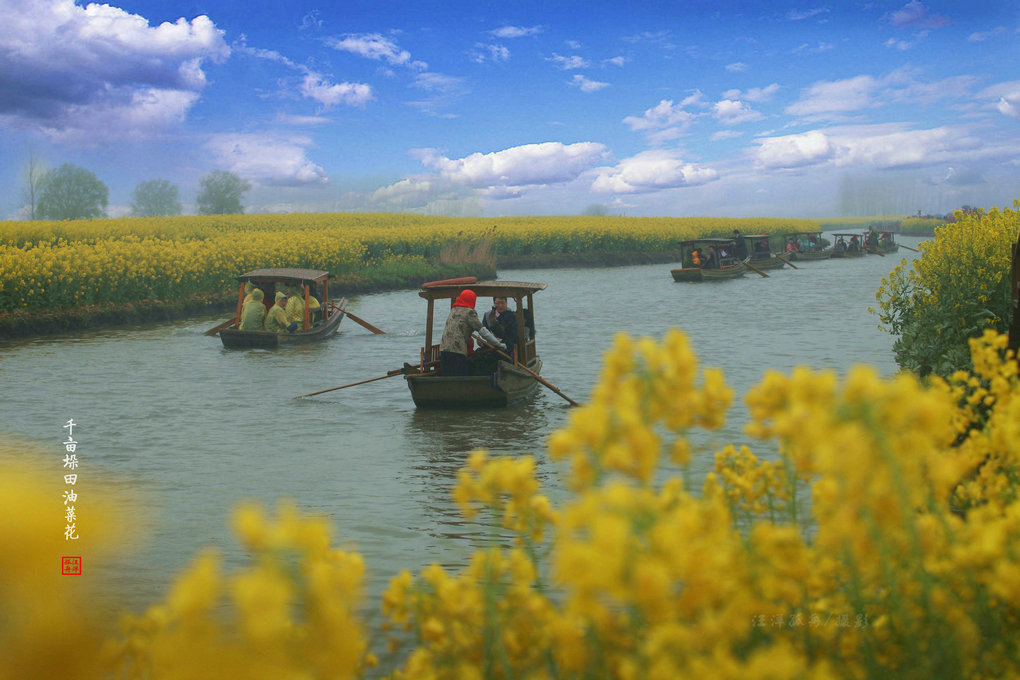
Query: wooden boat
(759, 252)
(880, 242)
(512, 381)
(720, 257)
(809, 246)
(847, 245)
(316, 326)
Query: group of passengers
(286, 315)
(497, 329)
(854, 246)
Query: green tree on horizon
(71, 192)
(155, 198)
(220, 193)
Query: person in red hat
(460, 324)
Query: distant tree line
(71, 192)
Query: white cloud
(794, 15)
(487, 52)
(568, 63)
(755, 94)
(1010, 105)
(736, 67)
(616, 61)
(729, 112)
(663, 115)
(529, 164)
(272, 159)
(725, 134)
(793, 151)
(378, 47)
(515, 31)
(290, 119)
(877, 147)
(835, 97)
(586, 85)
(64, 65)
(915, 15)
(649, 171)
(329, 95)
(981, 36)
(665, 120)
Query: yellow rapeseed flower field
(882, 540)
(61, 265)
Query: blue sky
(800, 109)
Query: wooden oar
(536, 376)
(389, 374)
(755, 269)
(217, 329)
(783, 259)
(364, 323)
(908, 247)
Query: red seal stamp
(70, 566)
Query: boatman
(460, 324)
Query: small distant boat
(317, 325)
(808, 246)
(759, 252)
(717, 257)
(881, 242)
(847, 245)
(512, 381)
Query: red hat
(466, 299)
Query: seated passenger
(503, 324)
(276, 317)
(253, 312)
(295, 310)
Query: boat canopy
(286, 275)
(507, 289)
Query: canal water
(177, 430)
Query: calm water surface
(180, 430)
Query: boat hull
(693, 274)
(848, 254)
(511, 385)
(810, 255)
(767, 263)
(233, 338)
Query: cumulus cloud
(378, 47)
(315, 87)
(487, 52)
(269, 159)
(665, 120)
(586, 85)
(729, 112)
(515, 31)
(736, 67)
(871, 147)
(569, 63)
(64, 65)
(755, 94)
(519, 166)
(915, 15)
(794, 151)
(835, 97)
(1010, 105)
(648, 171)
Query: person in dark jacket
(460, 324)
(502, 322)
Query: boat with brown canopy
(515, 377)
(306, 283)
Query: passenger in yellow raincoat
(296, 310)
(253, 313)
(276, 317)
